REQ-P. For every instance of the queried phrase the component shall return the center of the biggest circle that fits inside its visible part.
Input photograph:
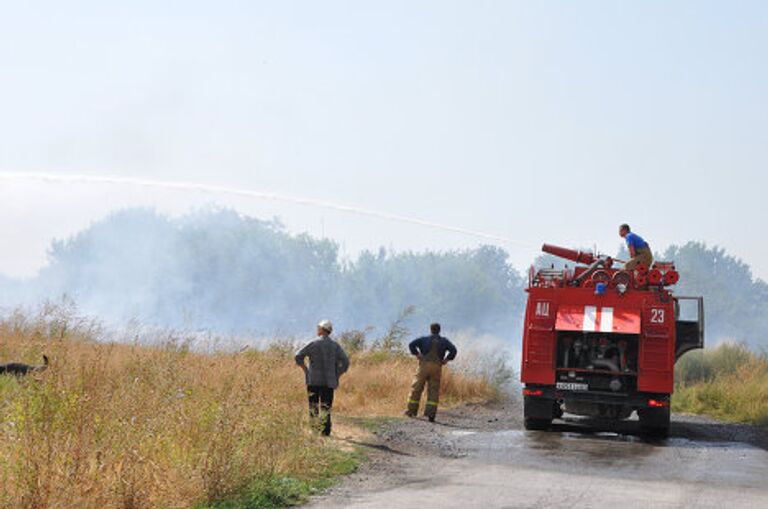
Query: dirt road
(481, 457)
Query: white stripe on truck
(606, 320)
(590, 318)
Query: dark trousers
(320, 403)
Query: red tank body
(601, 341)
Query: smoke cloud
(218, 271)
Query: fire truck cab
(603, 342)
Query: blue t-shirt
(635, 240)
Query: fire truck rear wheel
(655, 421)
(537, 424)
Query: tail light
(658, 403)
(533, 392)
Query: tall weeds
(729, 382)
(129, 426)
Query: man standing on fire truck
(430, 350)
(639, 250)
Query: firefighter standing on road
(327, 362)
(430, 350)
(639, 250)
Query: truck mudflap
(539, 408)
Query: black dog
(20, 369)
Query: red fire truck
(603, 342)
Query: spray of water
(221, 190)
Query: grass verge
(729, 382)
(284, 491)
(370, 424)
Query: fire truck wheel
(537, 424)
(654, 421)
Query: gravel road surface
(480, 456)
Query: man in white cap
(327, 362)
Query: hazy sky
(536, 121)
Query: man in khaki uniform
(430, 350)
(639, 250)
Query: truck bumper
(546, 394)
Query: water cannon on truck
(601, 341)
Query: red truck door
(539, 342)
(657, 353)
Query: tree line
(221, 271)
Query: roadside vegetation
(130, 426)
(729, 382)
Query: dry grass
(728, 382)
(378, 385)
(131, 426)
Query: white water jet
(221, 190)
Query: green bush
(728, 382)
(353, 341)
(706, 365)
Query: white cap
(326, 325)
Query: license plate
(570, 386)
